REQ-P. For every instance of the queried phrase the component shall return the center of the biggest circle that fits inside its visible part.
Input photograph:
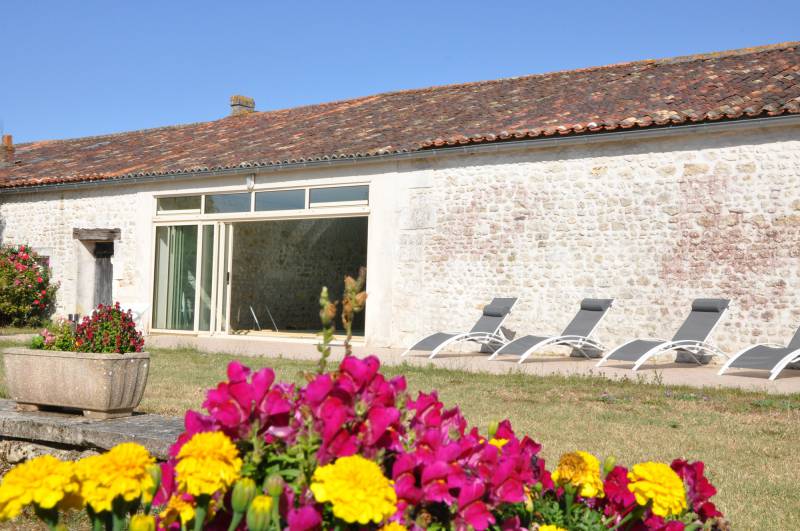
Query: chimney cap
(242, 104)
(8, 141)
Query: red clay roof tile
(763, 81)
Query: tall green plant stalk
(327, 314)
(354, 300)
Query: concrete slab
(155, 432)
(666, 372)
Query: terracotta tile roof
(753, 82)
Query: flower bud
(258, 515)
(244, 491)
(142, 522)
(274, 485)
(493, 429)
(608, 464)
(154, 471)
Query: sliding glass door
(186, 293)
(176, 277)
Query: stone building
(651, 182)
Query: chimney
(242, 105)
(7, 154)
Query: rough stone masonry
(651, 221)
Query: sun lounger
(766, 356)
(690, 339)
(487, 330)
(575, 335)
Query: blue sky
(72, 69)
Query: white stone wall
(46, 220)
(651, 222)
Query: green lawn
(748, 440)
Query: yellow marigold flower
(394, 526)
(122, 471)
(177, 508)
(551, 527)
(142, 522)
(207, 464)
(498, 443)
(657, 482)
(44, 481)
(357, 490)
(582, 470)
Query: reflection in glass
(206, 277)
(188, 202)
(281, 200)
(339, 194)
(227, 203)
(175, 282)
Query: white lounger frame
(693, 348)
(791, 357)
(576, 342)
(482, 338)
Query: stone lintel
(96, 235)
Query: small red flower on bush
(110, 330)
(26, 292)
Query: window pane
(339, 194)
(188, 202)
(283, 200)
(227, 203)
(176, 263)
(206, 278)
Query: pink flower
(619, 500)
(471, 508)
(698, 488)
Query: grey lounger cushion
(766, 358)
(760, 357)
(701, 321)
(634, 350)
(591, 312)
(522, 344)
(432, 341)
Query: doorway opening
(254, 278)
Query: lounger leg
(792, 357)
(649, 354)
(525, 355)
(727, 364)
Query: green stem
(200, 512)
(235, 521)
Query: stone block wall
(652, 223)
(45, 220)
(284, 264)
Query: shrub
(108, 330)
(26, 292)
(58, 336)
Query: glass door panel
(175, 282)
(206, 291)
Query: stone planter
(101, 385)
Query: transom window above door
(292, 199)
